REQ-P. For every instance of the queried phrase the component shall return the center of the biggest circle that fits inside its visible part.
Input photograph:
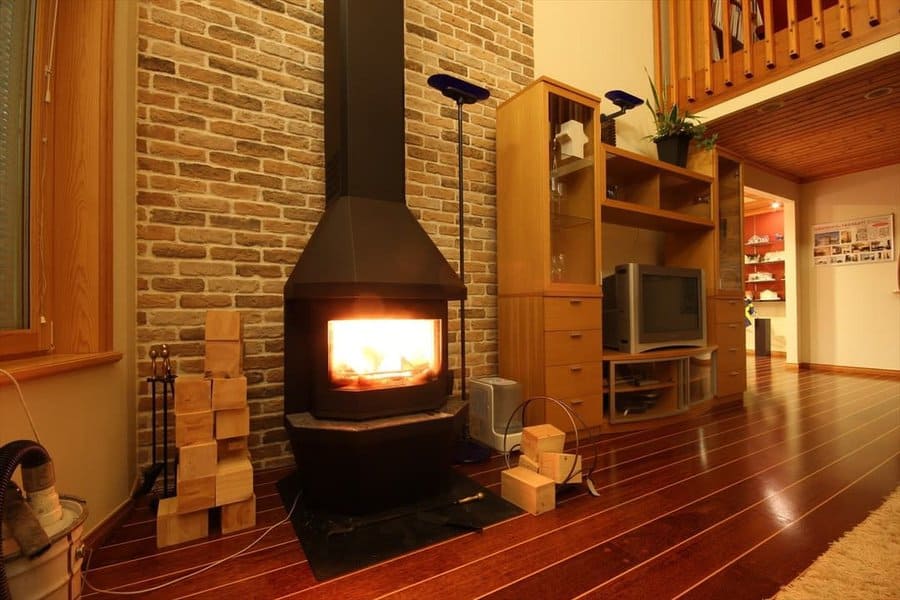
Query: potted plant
(675, 129)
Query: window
(55, 178)
(20, 306)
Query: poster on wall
(858, 241)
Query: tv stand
(657, 383)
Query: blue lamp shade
(461, 91)
(623, 100)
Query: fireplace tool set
(162, 381)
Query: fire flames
(383, 353)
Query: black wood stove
(368, 405)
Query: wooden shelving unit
(553, 211)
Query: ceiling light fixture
(878, 93)
(775, 204)
(770, 107)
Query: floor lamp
(462, 92)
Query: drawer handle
(732, 349)
(732, 325)
(575, 369)
(575, 335)
(574, 301)
(576, 401)
(734, 373)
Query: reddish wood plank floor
(730, 504)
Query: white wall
(852, 312)
(597, 46)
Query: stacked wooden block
(212, 422)
(532, 484)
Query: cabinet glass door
(731, 251)
(571, 186)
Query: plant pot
(674, 149)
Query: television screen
(671, 303)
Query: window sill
(36, 367)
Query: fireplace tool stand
(161, 375)
(462, 92)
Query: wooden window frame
(71, 191)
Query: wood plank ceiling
(843, 124)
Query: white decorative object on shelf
(572, 139)
(769, 295)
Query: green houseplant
(675, 128)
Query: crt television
(646, 307)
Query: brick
(193, 393)
(193, 427)
(238, 100)
(225, 326)
(239, 515)
(224, 359)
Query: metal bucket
(55, 574)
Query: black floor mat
(336, 544)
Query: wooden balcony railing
(767, 40)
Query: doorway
(770, 274)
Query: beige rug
(863, 565)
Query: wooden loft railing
(768, 40)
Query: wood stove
(366, 373)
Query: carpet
(864, 564)
(337, 544)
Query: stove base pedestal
(358, 467)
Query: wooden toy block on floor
(232, 423)
(173, 527)
(195, 494)
(224, 359)
(528, 490)
(239, 515)
(223, 325)
(192, 393)
(557, 466)
(193, 428)
(235, 447)
(198, 460)
(234, 480)
(229, 392)
(531, 465)
(541, 438)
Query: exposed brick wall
(231, 171)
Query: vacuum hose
(30, 455)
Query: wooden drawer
(566, 347)
(569, 381)
(727, 310)
(732, 351)
(731, 381)
(565, 314)
(588, 407)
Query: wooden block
(528, 490)
(541, 438)
(192, 393)
(198, 460)
(531, 465)
(239, 515)
(195, 494)
(223, 325)
(232, 423)
(229, 392)
(235, 447)
(174, 528)
(224, 359)
(557, 465)
(234, 480)
(193, 428)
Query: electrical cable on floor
(24, 406)
(198, 571)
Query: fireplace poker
(355, 524)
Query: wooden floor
(728, 505)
